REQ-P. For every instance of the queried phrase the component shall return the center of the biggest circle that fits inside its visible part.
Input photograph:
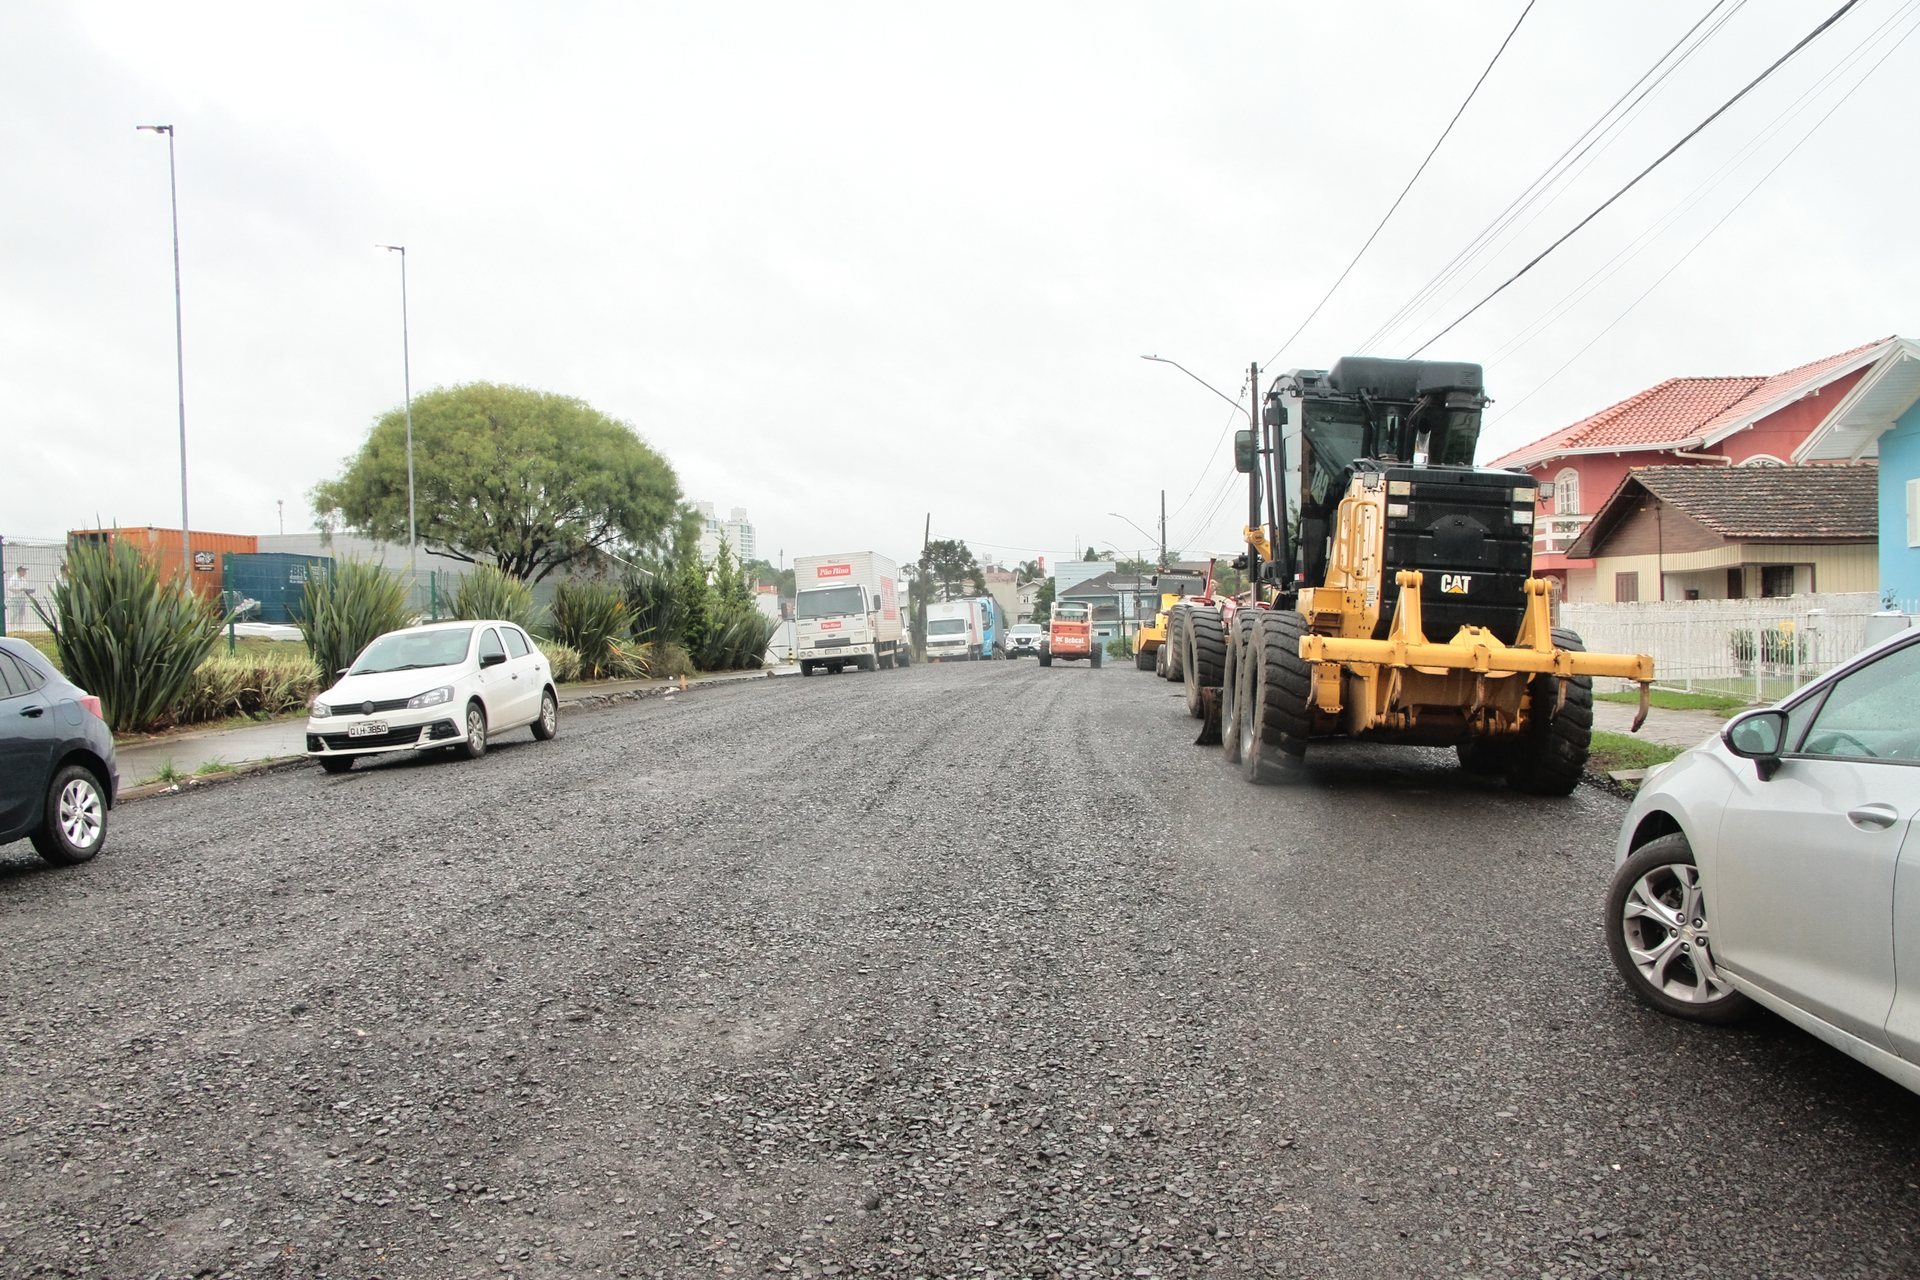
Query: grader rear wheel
(1206, 654)
(1278, 717)
(1176, 639)
(1233, 698)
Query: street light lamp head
(153, 128)
(396, 248)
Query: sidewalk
(256, 744)
(1670, 728)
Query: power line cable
(1548, 176)
(1804, 41)
(1409, 187)
(1546, 320)
(1544, 200)
(1611, 325)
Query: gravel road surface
(976, 970)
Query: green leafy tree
(731, 585)
(763, 574)
(525, 480)
(952, 571)
(1043, 603)
(694, 603)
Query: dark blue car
(58, 777)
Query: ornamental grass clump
(126, 635)
(490, 592)
(344, 611)
(264, 684)
(591, 618)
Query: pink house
(1724, 422)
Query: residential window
(1913, 513)
(1776, 580)
(1566, 493)
(1626, 586)
(1736, 584)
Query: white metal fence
(1757, 649)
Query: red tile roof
(1680, 412)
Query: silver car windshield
(413, 650)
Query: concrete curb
(146, 791)
(241, 769)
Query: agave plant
(344, 611)
(126, 635)
(489, 592)
(653, 601)
(591, 618)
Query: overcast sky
(848, 265)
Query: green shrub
(669, 661)
(1120, 647)
(736, 637)
(490, 592)
(125, 635)
(1779, 647)
(248, 685)
(344, 611)
(564, 661)
(592, 619)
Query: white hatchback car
(1779, 864)
(446, 684)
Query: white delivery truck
(953, 631)
(848, 612)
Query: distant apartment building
(736, 529)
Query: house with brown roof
(1730, 533)
(1745, 423)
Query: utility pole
(1253, 480)
(1163, 531)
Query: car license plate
(367, 729)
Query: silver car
(1778, 865)
(1023, 641)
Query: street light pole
(1149, 537)
(406, 382)
(179, 346)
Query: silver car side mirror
(1758, 736)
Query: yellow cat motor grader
(1393, 598)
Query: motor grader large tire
(1176, 639)
(1233, 700)
(1552, 752)
(1143, 660)
(1205, 657)
(1277, 686)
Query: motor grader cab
(1393, 595)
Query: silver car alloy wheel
(549, 714)
(476, 729)
(1664, 923)
(79, 813)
